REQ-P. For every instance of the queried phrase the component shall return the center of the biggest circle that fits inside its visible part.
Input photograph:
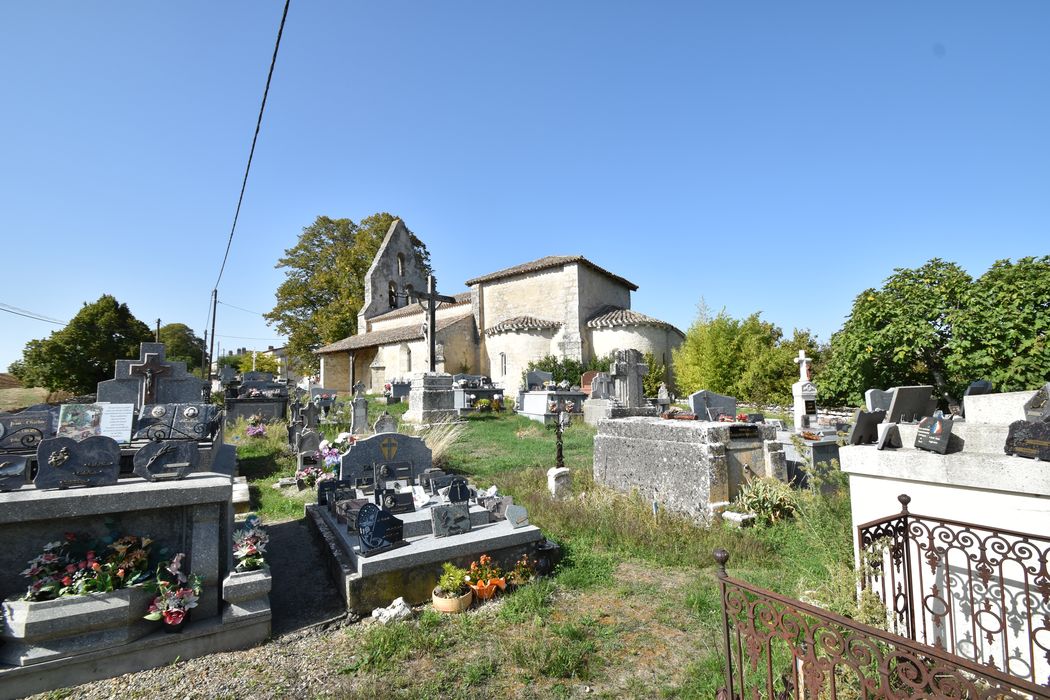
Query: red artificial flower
(66, 581)
(96, 566)
(82, 565)
(174, 617)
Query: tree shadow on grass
(256, 468)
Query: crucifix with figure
(428, 301)
(149, 370)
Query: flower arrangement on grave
(484, 577)
(72, 566)
(453, 593)
(524, 571)
(570, 406)
(254, 394)
(387, 389)
(741, 417)
(177, 593)
(256, 428)
(483, 405)
(249, 544)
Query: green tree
(1001, 334)
(748, 358)
(182, 344)
(900, 334)
(323, 290)
(80, 355)
(243, 362)
(657, 375)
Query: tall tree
(80, 355)
(901, 334)
(182, 344)
(323, 290)
(1003, 333)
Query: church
(561, 305)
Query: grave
(150, 380)
(468, 389)
(974, 481)
(804, 395)
(376, 555)
(691, 467)
(707, 405)
(543, 405)
(626, 398)
(431, 399)
(359, 411)
(257, 395)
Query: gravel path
(297, 662)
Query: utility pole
(211, 348)
(158, 331)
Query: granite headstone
(933, 434)
(1029, 439)
(379, 530)
(64, 462)
(452, 519)
(166, 460)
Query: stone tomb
(691, 467)
(194, 516)
(543, 405)
(626, 397)
(467, 389)
(257, 395)
(151, 380)
(431, 399)
(707, 405)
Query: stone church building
(562, 305)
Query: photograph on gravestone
(25, 430)
(166, 460)
(910, 404)
(1029, 439)
(79, 421)
(391, 473)
(864, 430)
(378, 530)
(395, 501)
(13, 472)
(452, 519)
(63, 462)
(348, 510)
(933, 434)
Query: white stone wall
(597, 290)
(520, 348)
(547, 294)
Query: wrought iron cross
(428, 301)
(149, 370)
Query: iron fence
(977, 592)
(777, 648)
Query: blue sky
(764, 156)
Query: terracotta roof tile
(616, 317)
(521, 323)
(413, 308)
(412, 331)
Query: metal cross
(149, 369)
(428, 301)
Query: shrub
(453, 581)
(771, 500)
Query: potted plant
(452, 594)
(485, 577)
(483, 405)
(523, 571)
(176, 594)
(80, 589)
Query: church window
(393, 295)
(400, 265)
(503, 364)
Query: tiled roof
(521, 323)
(548, 262)
(413, 308)
(615, 317)
(412, 331)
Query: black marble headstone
(933, 434)
(395, 501)
(166, 460)
(910, 404)
(13, 472)
(1028, 439)
(864, 430)
(458, 490)
(379, 530)
(63, 462)
(1037, 408)
(25, 430)
(346, 512)
(453, 519)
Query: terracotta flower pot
(485, 590)
(452, 605)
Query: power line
(244, 337)
(255, 138)
(239, 308)
(29, 314)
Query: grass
(19, 398)
(633, 610)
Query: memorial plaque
(395, 501)
(194, 421)
(1037, 408)
(1027, 439)
(341, 492)
(13, 472)
(933, 434)
(864, 430)
(517, 516)
(458, 490)
(744, 432)
(496, 505)
(910, 404)
(346, 511)
(63, 462)
(878, 400)
(393, 472)
(379, 531)
(453, 519)
(889, 436)
(166, 460)
(25, 430)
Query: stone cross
(803, 366)
(428, 301)
(150, 369)
(627, 372)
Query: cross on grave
(388, 446)
(428, 301)
(803, 366)
(149, 370)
